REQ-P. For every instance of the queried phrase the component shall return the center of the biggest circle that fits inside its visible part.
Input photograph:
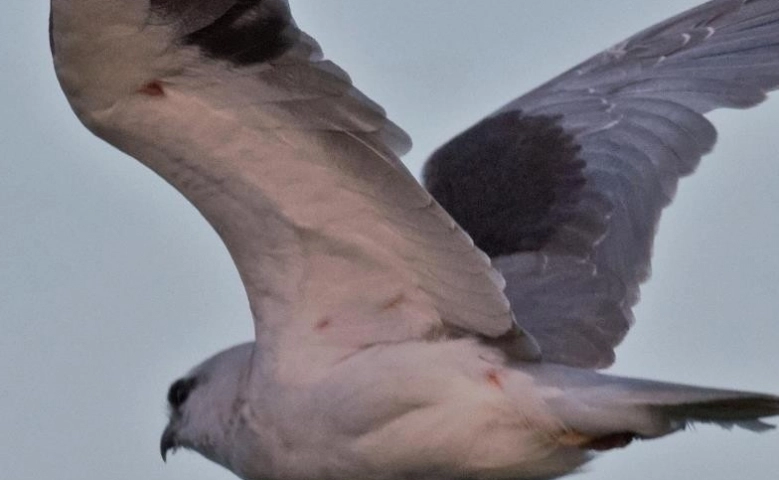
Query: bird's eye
(179, 392)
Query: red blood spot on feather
(152, 89)
(323, 324)
(394, 302)
(493, 378)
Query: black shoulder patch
(510, 181)
(243, 32)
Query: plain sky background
(111, 285)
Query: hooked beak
(168, 442)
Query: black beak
(168, 442)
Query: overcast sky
(112, 285)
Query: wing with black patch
(564, 186)
(337, 244)
(243, 32)
(506, 167)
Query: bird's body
(450, 409)
(411, 410)
(387, 346)
(381, 414)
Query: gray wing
(564, 186)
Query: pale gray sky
(111, 285)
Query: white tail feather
(600, 405)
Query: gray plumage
(636, 114)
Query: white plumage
(385, 344)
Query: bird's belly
(418, 411)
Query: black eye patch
(179, 392)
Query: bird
(454, 329)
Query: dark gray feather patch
(243, 32)
(509, 181)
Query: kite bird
(446, 331)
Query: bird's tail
(604, 411)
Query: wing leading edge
(338, 246)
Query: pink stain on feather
(493, 378)
(152, 89)
(394, 302)
(323, 324)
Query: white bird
(388, 343)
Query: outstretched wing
(564, 186)
(336, 243)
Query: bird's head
(204, 405)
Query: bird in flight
(451, 330)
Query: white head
(204, 405)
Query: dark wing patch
(190, 15)
(243, 32)
(508, 167)
(637, 113)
